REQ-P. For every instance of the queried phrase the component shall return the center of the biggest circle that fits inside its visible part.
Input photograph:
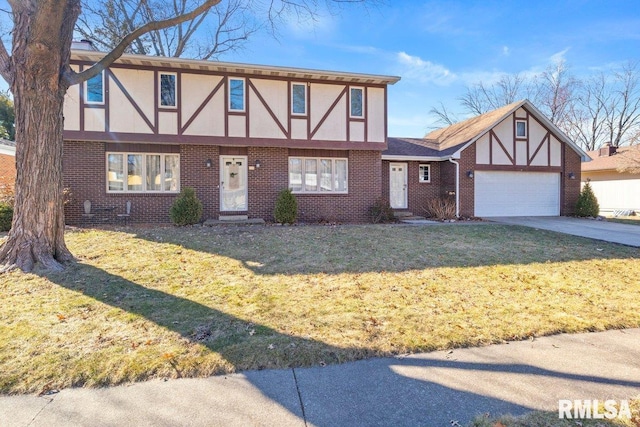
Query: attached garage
(499, 193)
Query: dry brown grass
(171, 302)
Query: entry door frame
(244, 169)
(405, 176)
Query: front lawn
(179, 302)
(633, 220)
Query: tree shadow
(391, 248)
(371, 393)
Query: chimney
(607, 150)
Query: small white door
(398, 185)
(233, 183)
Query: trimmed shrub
(286, 210)
(441, 208)
(187, 208)
(381, 211)
(587, 204)
(6, 215)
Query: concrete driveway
(600, 230)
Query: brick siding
(7, 171)
(85, 175)
(418, 192)
(572, 163)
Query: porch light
(258, 164)
(208, 163)
(572, 175)
(469, 174)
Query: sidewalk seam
(295, 380)
(39, 412)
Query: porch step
(402, 214)
(233, 217)
(216, 222)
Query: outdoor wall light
(258, 164)
(470, 174)
(208, 163)
(572, 175)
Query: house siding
(571, 187)
(7, 171)
(85, 176)
(418, 192)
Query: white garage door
(517, 193)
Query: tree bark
(41, 48)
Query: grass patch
(633, 220)
(178, 302)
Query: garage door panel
(517, 193)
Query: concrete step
(217, 222)
(402, 214)
(233, 217)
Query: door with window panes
(233, 183)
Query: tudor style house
(508, 162)
(147, 127)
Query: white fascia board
(414, 158)
(7, 150)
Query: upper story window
(299, 99)
(356, 101)
(521, 128)
(94, 89)
(168, 89)
(236, 94)
(143, 173)
(425, 173)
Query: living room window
(143, 173)
(318, 175)
(425, 173)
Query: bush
(381, 211)
(186, 209)
(7, 194)
(6, 215)
(286, 210)
(441, 208)
(587, 204)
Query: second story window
(299, 99)
(236, 94)
(356, 100)
(167, 89)
(94, 89)
(521, 129)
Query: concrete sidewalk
(430, 389)
(626, 234)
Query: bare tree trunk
(42, 37)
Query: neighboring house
(508, 162)
(147, 127)
(616, 191)
(7, 164)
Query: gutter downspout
(457, 186)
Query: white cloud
(558, 56)
(415, 68)
(506, 51)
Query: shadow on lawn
(369, 393)
(386, 248)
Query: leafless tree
(482, 97)
(629, 160)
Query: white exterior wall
(615, 191)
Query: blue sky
(439, 48)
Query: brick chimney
(607, 150)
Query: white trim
(7, 150)
(244, 95)
(333, 174)
(361, 89)
(245, 163)
(304, 85)
(415, 158)
(125, 186)
(86, 92)
(523, 121)
(420, 180)
(175, 89)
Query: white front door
(233, 183)
(398, 185)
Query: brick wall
(7, 171)
(572, 163)
(85, 175)
(418, 192)
(467, 162)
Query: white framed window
(299, 99)
(425, 173)
(143, 173)
(236, 94)
(94, 89)
(167, 85)
(318, 175)
(521, 128)
(356, 102)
